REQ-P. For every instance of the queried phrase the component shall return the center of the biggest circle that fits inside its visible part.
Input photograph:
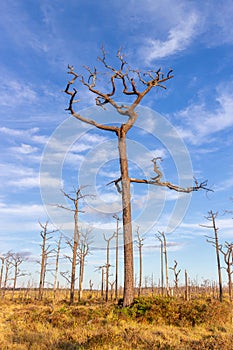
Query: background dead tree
(57, 251)
(108, 240)
(83, 251)
(102, 268)
(76, 236)
(6, 273)
(135, 85)
(161, 261)
(187, 292)
(139, 242)
(215, 243)
(117, 254)
(16, 260)
(228, 259)
(2, 258)
(176, 273)
(91, 284)
(45, 252)
(163, 237)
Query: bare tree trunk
(139, 245)
(161, 261)
(107, 264)
(81, 272)
(127, 223)
(42, 268)
(212, 217)
(44, 256)
(56, 268)
(117, 253)
(176, 274)
(162, 234)
(16, 262)
(74, 256)
(8, 266)
(1, 272)
(186, 286)
(102, 282)
(228, 259)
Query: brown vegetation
(150, 323)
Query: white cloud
(179, 38)
(20, 92)
(26, 135)
(24, 149)
(200, 123)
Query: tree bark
(127, 223)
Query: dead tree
(83, 251)
(163, 237)
(215, 243)
(228, 259)
(187, 294)
(117, 255)
(161, 261)
(139, 241)
(8, 266)
(76, 236)
(91, 287)
(16, 260)
(102, 268)
(45, 251)
(135, 85)
(2, 258)
(57, 251)
(108, 240)
(176, 274)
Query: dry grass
(151, 323)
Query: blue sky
(38, 40)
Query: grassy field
(150, 323)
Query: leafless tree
(91, 284)
(2, 258)
(117, 254)
(161, 261)
(7, 264)
(46, 250)
(176, 273)
(57, 251)
(187, 295)
(215, 243)
(76, 235)
(139, 241)
(102, 268)
(135, 85)
(228, 259)
(108, 240)
(163, 237)
(16, 260)
(83, 251)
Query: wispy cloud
(178, 39)
(200, 122)
(19, 91)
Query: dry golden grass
(36, 325)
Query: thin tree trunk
(74, 257)
(56, 269)
(42, 270)
(218, 258)
(117, 253)
(186, 286)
